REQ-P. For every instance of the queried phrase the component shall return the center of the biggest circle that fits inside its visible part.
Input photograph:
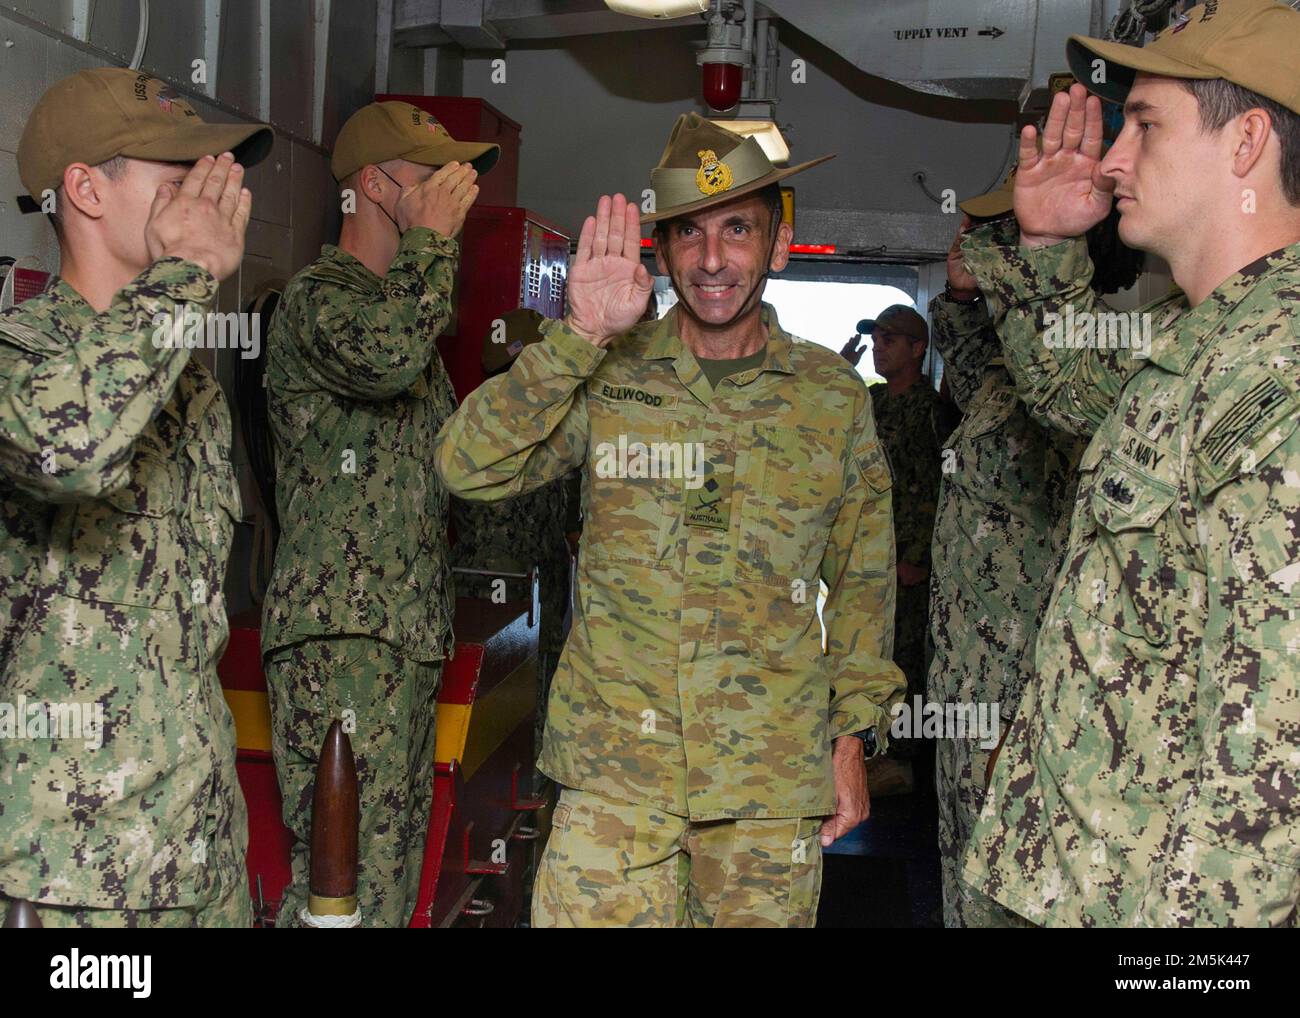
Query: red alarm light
(722, 85)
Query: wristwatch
(947, 292)
(868, 737)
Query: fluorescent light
(664, 9)
(767, 133)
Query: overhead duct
(967, 49)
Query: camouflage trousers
(231, 908)
(959, 782)
(391, 701)
(616, 864)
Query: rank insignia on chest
(1117, 491)
(709, 505)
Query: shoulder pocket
(1262, 419)
(874, 465)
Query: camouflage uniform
(1008, 484)
(1150, 778)
(693, 682)
(906, 426)
(358, 611)
(119, 504)
(721, 873)
(512, 536)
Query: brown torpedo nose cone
(335, 813)
(22, 916)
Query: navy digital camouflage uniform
(1007, 489)
(906, 425)
(357, 617)
(119, 503)
(1151, 777)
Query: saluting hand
(608, 285)
(440, 202)
(1061, 192)
(205, 219)
(960, 281)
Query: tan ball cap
(991, 204)
(93, 116)
(1252, 43)
(705, 165)
(398, 130)
(901, 318)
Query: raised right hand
(960, 281)
(1061, 191)
(853, 350)
(204, 220)
(440, 202)
(608, 285)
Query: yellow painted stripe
(450, 730)
(252, 713)
(498, 714)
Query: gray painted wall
(596, 112)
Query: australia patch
(709, 505)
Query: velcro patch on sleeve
(1260, 420)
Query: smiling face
(718, 257)
(1167, 171)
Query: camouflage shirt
(906, 426)
(357, 392)
(512, 536)
(1008, 485)
(694, 678)
(1151, 778)
(118, 503)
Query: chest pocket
(794, 489)
(1127, 577)
(635, 473)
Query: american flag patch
(1256, 410)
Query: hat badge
(714, 175)
(1181, 22)
(165, 96)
